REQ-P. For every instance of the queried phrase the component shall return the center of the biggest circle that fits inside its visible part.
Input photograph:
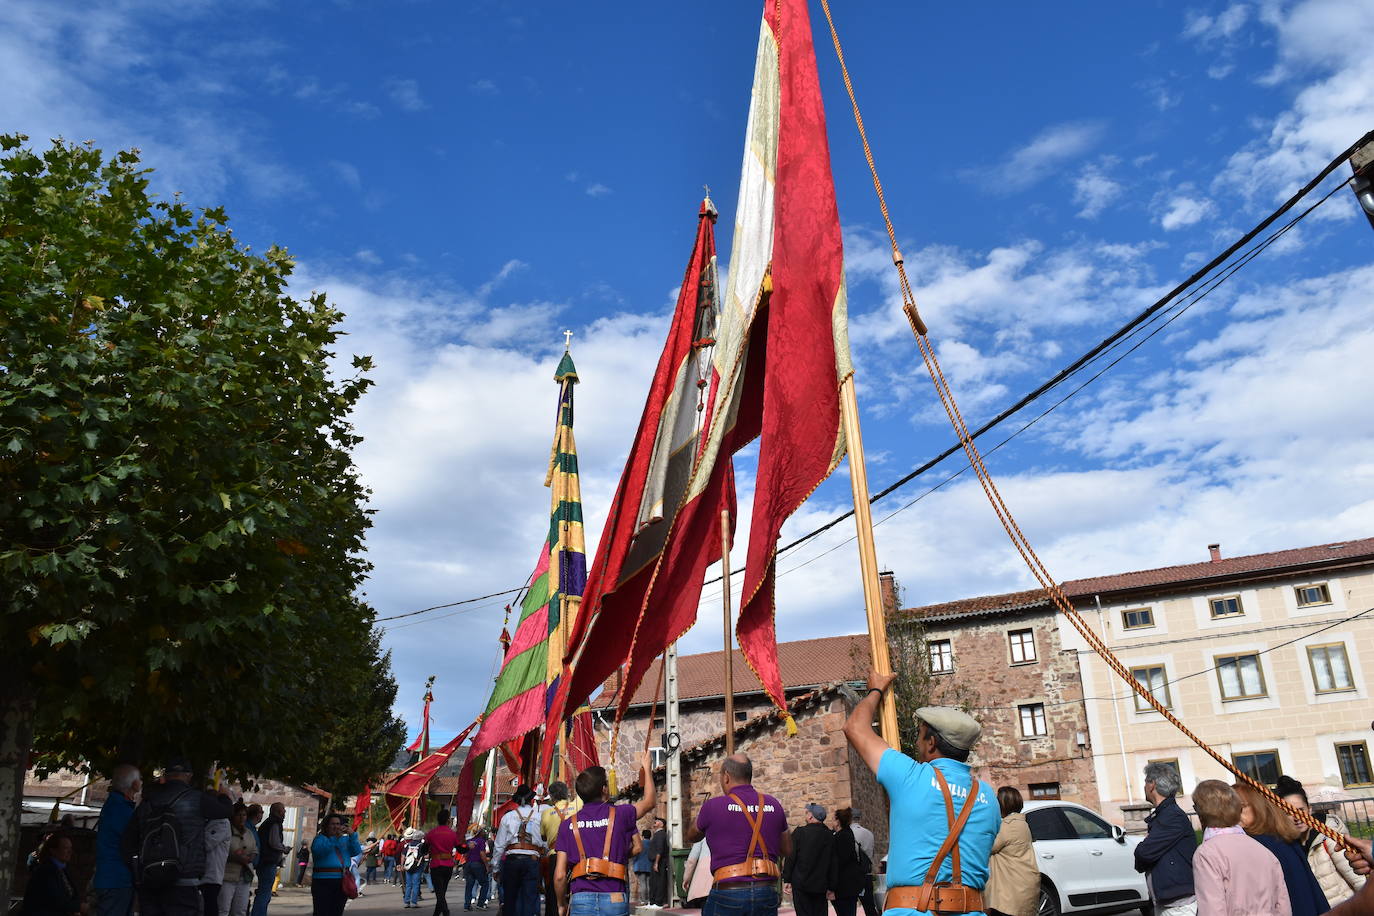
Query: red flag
(644, 560)
(782, 349)
(800, 327)
(361, 805)
(582, 752)
(410, 784)
(421, 742)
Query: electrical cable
(1086, 358)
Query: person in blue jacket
(332, 852)
(1165, 856)
(114, 883)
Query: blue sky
(468, 179)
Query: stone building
(1003, 657)
(815, 765)
(1262, 656)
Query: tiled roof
(804, 663)
(1278, 561)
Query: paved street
(383, 898)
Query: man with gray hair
(1165, 856)
(114, 883)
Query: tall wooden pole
(729, 652)
(868, 556)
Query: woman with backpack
(333, 852)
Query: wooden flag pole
(729, 653)
(868, 556)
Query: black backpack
(159, 848)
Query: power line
(1106, 344)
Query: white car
(1087, 865)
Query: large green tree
(181, 522)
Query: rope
(999, 506)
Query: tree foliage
(916, 685)
(182, 521)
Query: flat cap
(954, 725)
(816, 811)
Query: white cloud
(484, 87)
(367, 256)
(406, 94)
(597, 190)
(1050, 149)
(1331, 109)
(1181, 210)
(1094, 191)
(1222, 26)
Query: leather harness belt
(603, 867)
(753, 866)
(946, 897)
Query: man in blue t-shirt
(921, 793)
(605, 836)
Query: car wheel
(1049, 901)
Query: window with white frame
(1154, 679)
(1022, 646)
(1309, 595)
(1033, 720)
(941, 656)
(1240, 676)
(1330, 668)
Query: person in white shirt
(517, 854)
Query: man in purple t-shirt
(602, 888)
(742, 886)
(475, 871)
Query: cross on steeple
(567, 341)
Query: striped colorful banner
(529, 675)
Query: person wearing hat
(191, 809)
(413, 867)
(942, 820)
(809, 873)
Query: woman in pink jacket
(1233, 875)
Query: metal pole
(673, 764)
(868, 556)
(729, 653)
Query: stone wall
(986, 680)
(815, 765)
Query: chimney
(887, 587)
(1215, 551)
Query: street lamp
(1362, 164)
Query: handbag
(347, 882)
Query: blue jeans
(592, 903)
(757, 899)
(520, 878)
(267, 876)
(476, 875)
(411, 894)
(388, 867)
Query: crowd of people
(956, 846)
(171, 849)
